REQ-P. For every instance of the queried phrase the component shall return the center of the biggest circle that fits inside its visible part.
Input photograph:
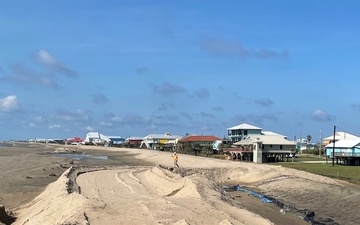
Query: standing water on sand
(79, 156)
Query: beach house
(264, 148)
(346, 151)
(197, 142)
(250, 143)
(159, 141)
(242, 131)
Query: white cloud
(106, 124)
(54, 126)
(38, 118)
(9, 103)
(46, 59)
(32, 125)
(89, 128)
(319, 115)
(116, 119)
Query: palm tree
(207, 150)
(308, 138)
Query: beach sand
(136, 186)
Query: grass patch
(308, 158)
(348, 173)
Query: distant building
(302, 144)
(158, 141)
(346, 151)
(266, 148)
(74, 140)
(116, 140)
(199, 140)
(96, 138)
(250, 143)
(340, 136)
(242, 131)
(133, 142)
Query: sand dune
(135, 195)
(157, 195)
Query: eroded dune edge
(134, 195)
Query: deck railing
(347, 154)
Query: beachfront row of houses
(244, 142)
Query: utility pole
(333, 149)
(320, 146)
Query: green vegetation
(348, 173)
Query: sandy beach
(136, 186)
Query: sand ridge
(154, 194)
(134, 195)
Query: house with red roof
(74, 140)
(197, 141)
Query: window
(270, 146)
(280, 146)
(245, 132)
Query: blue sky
(131, 68)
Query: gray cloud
(49, 61)
(166, 117)
(201, 93)
(165, 106)
(100, 99)
(255, 119)
(134, 119)
(142, 70)
(319, 115)
(355, 107)
(205, 114)
(259, 119)
(185, 115)
(77, 115)
(167, 89)
(21, 74)
(218, 108)
(264, 102)
(234, 48)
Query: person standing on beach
(175, 158)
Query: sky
(133, 68)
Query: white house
(343, 148)
(96, 138)
(340, 136)
(267, 148)
(157, 141)
(241, 131)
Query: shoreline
(224, 171)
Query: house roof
(343, 136)
(134, 138)
(266, 140)
(197, 138)
(344, 144)
(271, 133)
(162, 136)
(74, 139)
(244, 126)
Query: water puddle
(79, 156)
